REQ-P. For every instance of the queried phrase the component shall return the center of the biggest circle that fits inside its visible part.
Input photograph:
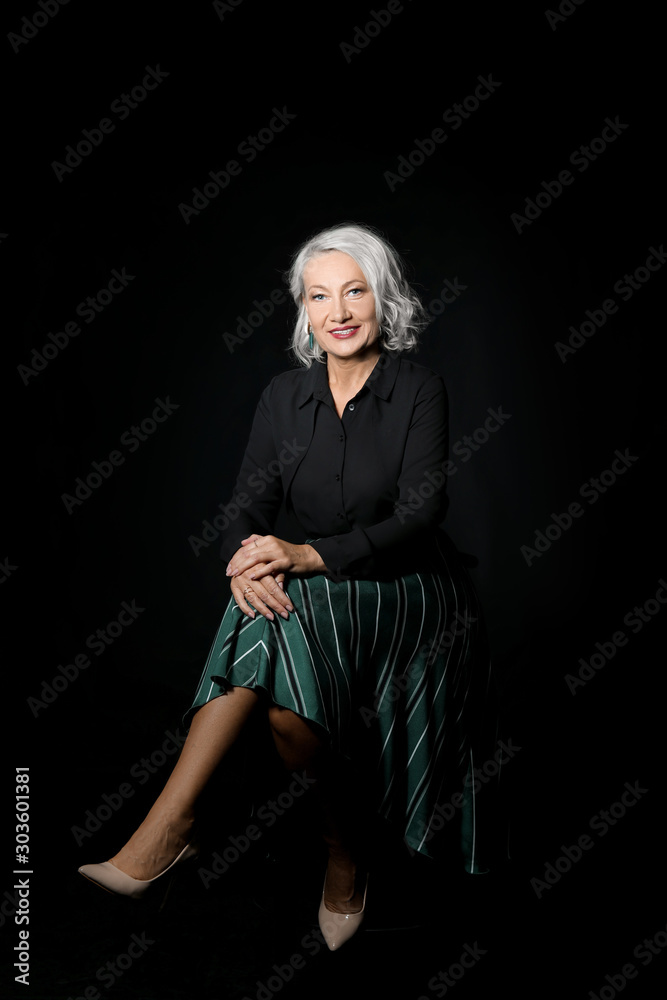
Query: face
(340, 306)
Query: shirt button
(341, 438)
(337, 479)
(351, 406)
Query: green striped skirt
(396, 674)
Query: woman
(372, 659)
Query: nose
(340, 310)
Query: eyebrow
(352, 281)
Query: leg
(302, 749)
(168, 825)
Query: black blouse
(368, 490)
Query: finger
(274, 595)
(243, 605)
(241, 552)
(236, 569)
(258, 598)
(246, 597)
(278, 593)
(268, 591)
(272, 567)
(252, 559)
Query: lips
(342, 332)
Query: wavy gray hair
(399, 312)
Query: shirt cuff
(339, 553)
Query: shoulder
(287, 390)
(419, 379)
(412, 370)
(294, 378)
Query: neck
(344, 372)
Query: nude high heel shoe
(108, 877)
(337, 928)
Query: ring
(246, 590)
(256, 543)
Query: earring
(310, 337)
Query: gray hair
(397, 307)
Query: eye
(317, 295)
(360, 290)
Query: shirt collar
(380, 381)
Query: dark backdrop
(506, 279)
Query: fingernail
(281, 586)
(289, 607)
(269, 616)
(283, 614)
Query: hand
(263, 593)
(276, 555)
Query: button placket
(339, 476)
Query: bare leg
(300, 747)
(168, 825)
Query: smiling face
(341, 306)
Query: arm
(258, 490)
(253, 508)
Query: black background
(68, 572)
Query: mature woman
(358, 634)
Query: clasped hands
(258, 569)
